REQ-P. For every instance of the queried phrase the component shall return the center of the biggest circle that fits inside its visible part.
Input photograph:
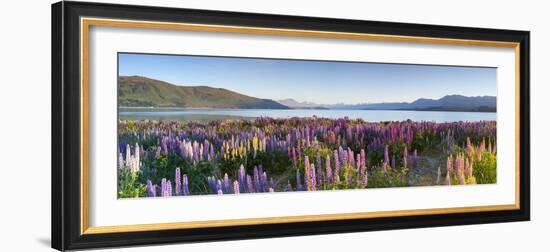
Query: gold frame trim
(86, 23)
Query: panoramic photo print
(199, 125)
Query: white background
(106, 210)
(25, 125)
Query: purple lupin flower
(328, 170)
(386, 156)
(185, 185)
(177, 181)
(242, 177)
(288, 187)
(219, 186)
(212, 154)
(226, 183)
(236, 185)
(212, 184)
(341, 154)
(150, 189)
(319, 169)
(393, 162)
(249, 184)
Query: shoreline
(154, 109)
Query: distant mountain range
(291, 103)
(137, 91)
(446, 103)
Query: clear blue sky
(324, 82)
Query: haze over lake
(366, 115)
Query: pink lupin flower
(236, 186)
(336, 164)
(312, 186)
(471, 169)
(478, 152)
(328, 170)
(449, 163)
(467, 168)
(306, 171)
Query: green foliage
(129, 186)
(425, 140)
(197, 176)
(394, 178)
(485, 170)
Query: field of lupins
(175, 158)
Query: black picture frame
(66, 114)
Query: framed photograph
(180, 125)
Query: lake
(366, 115)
